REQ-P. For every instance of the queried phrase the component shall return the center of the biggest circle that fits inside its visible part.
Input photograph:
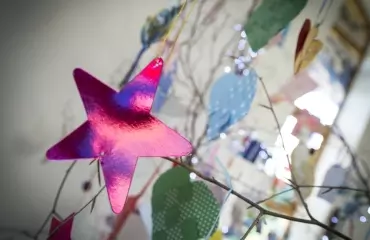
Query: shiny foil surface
(61, 232)
(120, 129)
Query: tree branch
(56, 200)
(255, 222)
(255, 205)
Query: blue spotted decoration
(163, 89)
(230, 101)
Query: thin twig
(354, 162)
(255, 222)
(76, 213)
(271, 108)
(272, 196)
(56, 200)
(310, 186)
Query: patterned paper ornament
(335, 176)
(230, 100)
(120, 129)
(307, 46)
(60, 230)
(182, 210)
(154, 29)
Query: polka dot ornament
(182, 210)
(230, 101)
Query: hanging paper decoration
(163, 88)
(306, 121)
(307, 46)
(296, 87)
(120, 129)
(335, 176)
(154, 29)
(230, 100)
(269, 19)
(182, 209)
(61, 230)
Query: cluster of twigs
(198, 28)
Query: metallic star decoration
(61, 230)
(119, 129)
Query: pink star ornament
(119, 129)
(61, 230)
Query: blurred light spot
(363, 219)
(325, 238)
(243, 34)
(334, 220)
(193, 176)
(238, 27)
(241, 132)
(241, 44)
(263, 155)
(241, 66)
(225, 229)
(222, 135)
(246, 72)
(251, 53)
(194, 160)
(227, 69)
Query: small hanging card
(335, 176)
(307, 46)
(296, 87)
(269, 18)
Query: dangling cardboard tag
(307, 46)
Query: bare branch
(255, 205)
(56, 199)
(255, 222)
(76, 213)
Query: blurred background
(323, 113)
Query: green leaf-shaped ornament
(269, 19)
(182, 210)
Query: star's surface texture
(119, 129)
(61, 230)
